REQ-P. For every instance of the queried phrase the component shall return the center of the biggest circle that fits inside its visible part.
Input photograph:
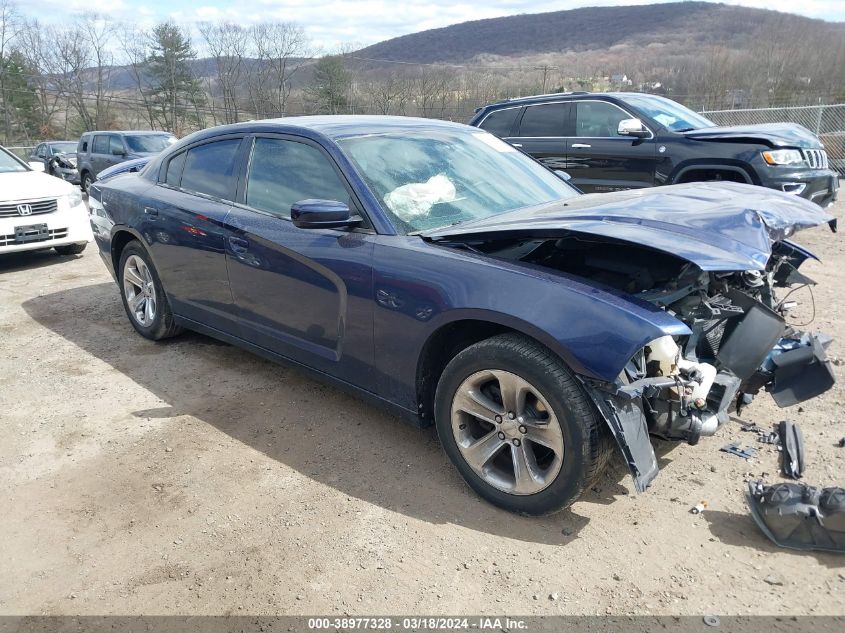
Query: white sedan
(38, 211)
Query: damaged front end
(63, 165)
(727, 274)
(684, 387)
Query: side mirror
(118, 152)
(322, 214)
(36, 165)
(632, 127)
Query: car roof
(557, 96)
(335, 126)
(133, 132)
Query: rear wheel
(71, 249)
(518, 426)
(143, 295)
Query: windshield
(8, 163)
(62, 148)
(671, 115)
(426, 180)
(149, 143)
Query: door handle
(239, 246)
(580, 146)
(151, 211)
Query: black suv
(613, 141)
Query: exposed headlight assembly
(783, 157)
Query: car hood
(771, 134)
(717, 226)
(30, 185)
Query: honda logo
(25, 209)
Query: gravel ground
(190, 477)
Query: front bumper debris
(801, 369)
(798, 516)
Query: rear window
(209, 169)
(500, 122)
(548, 119)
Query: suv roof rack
(550, 94)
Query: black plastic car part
(792, 449)
(802, 373)
(798, 516)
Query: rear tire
(537, 461)
(143, 295)
(71, 249)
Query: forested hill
(685, 24)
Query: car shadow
(316, 429)
(27, 260)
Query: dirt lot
(191, 477)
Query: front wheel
(143, 295)
(518, 426)
(86, 181)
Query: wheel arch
(120, 237)
(452, 337)
(735, 168)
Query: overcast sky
(331, 23)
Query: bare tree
(432, 91)
(227, 43)
(135, 47)
(84, 64)
(390, 95)
(279, 49)
(35, 44)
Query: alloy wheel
(507, 432)
(139, 290)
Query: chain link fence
(825, 121)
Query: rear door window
(210, 169)
(500, 122)
(174, 169)
(101, 144)
(546, 120)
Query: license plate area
(31, 233)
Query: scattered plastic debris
(792, 456)
(698, 508)
(734, 449)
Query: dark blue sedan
(438, 271)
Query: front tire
(86, 181)
(518, 426)
(143, 295)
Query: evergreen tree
(328, 91)
(175, 95)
